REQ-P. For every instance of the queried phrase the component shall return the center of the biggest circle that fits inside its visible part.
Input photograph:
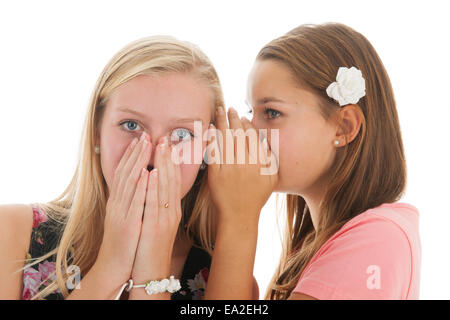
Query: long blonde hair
(80, 210)
(367, 172)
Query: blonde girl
(341, 162)
(98, 230)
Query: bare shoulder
(17, 222)
(15, 233)
(17, 214)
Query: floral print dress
(46, 235)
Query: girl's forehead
(145, 96)
(268, 78)
(171, 87)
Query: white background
(51, 53)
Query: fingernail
(265, 143)
(232, 110)
(142, 136)
(220, 110)
(133, 143)
(163, 149)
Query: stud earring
(97, 149)
(336, 142)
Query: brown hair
(368, 171)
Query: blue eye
(181, 134)
(130, 125)
(271, 113)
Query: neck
(313, 198)
(313, 206)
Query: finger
(127, 167)
(178, 191)
(171, 183)
(251, 138)
(213, 148)
(127, 154)
(222, 127)
(236, 130)
(131, 182)
(161, 164)
(233, 117)
(221, 119)
(122, 162)
(136, 209)
(151, 199)
(122, 197)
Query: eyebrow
(180, 120)
(266, 100)
(124, 109)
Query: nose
(155, 139)
(151, 163)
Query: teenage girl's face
(306, 147)
(163, 106)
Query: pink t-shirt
(375, 255)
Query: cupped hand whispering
(238, 182)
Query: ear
(350, 118)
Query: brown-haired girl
(342, 165)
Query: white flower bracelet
(152, 287)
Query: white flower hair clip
(349, 86)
